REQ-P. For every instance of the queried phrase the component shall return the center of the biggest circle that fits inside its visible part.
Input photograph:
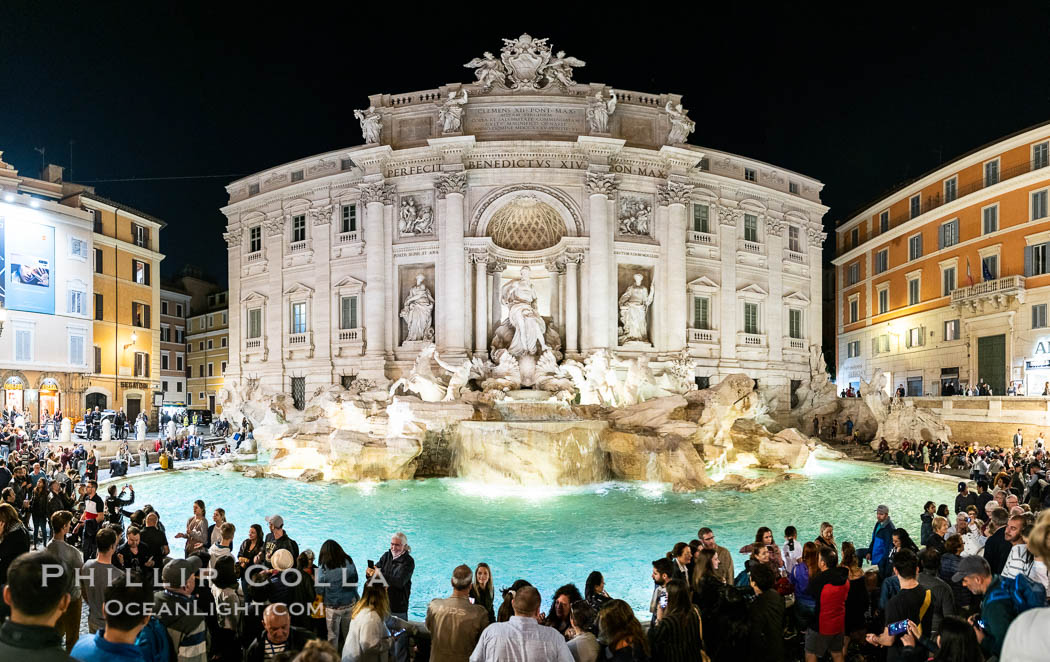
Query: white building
(45, 296)
(465, 185)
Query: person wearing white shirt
(1021, 561)
(791, 550)
(522, 638)
(1028, 638)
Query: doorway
(134, 407)
(991, 362)
(211, 403)
(92, 400)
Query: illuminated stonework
(585, 185)
(526, 224)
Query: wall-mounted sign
(1042, 347)
(1037, 364)
(14, 384)
(49, 385)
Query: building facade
(345, 264)
(125, 364)
(174, 306)
(208, 353)
(945, 281)
(45, 289)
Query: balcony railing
(1006, 286)
(252, 344)
(254, 257)
(750, 339)
(297, 339)
(751, 247)
(701, 238)
(297, 246)
(703, 336)
(347, 237)
(797, 344)
(792, 256)
(349, 335)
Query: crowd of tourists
(967, 587)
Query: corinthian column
(675, 195)
(481, 301)
(599, 186)
(452, 186)
(375, 196)
(571, 303)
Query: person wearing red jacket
(829, 589)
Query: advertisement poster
(30, 267)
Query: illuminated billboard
(27, 271)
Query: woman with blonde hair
(368, 639)
(826, 537)
(1028, 638)
(481, 590)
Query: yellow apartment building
(125, 369)
(207, 353)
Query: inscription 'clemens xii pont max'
(546, 119)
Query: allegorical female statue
(519, 296)
(634, 308)
(418, 312)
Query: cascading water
(530, 453)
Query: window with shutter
(255, 323)
(98, 359)
(700, 218)
(23, 345)
(76, 350)
(349, 220)
(701, 313)
(1039, 316)
(1039, 202)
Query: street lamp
(134, 339)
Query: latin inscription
(404, 171)
(557, 120)
(565, 164)
(637, 170)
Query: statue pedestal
(107, 430)
(67, 431)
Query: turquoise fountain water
(549, 536)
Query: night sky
(862, 102)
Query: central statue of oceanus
(524, 334)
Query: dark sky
(861, 101)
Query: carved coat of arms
(525, 63)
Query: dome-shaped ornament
(526, 224)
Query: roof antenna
(43, 160)
(71, 160)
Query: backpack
(1022, 592)
(153, 641)
(743, 579)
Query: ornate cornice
(573, 258)
(274, 226)
(674, 193)
(601, 183)
(321, 215)
(496, 265)
(816, 237)
(727, 216)
(378, 192)
(479, 257)
(774, 226)
(451, 182)
(233, 237)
